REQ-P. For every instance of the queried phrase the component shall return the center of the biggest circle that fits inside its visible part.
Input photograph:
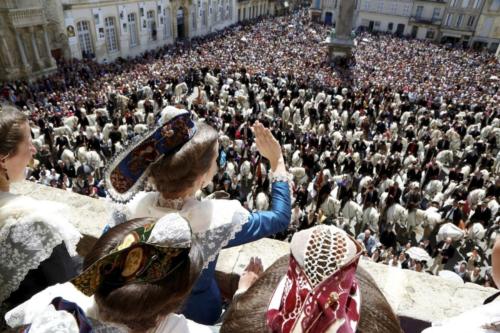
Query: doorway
(414, 31)
(370, 26)
(180, 24)
(328, 18)
(400, 29)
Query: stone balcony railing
(425, 20)
(413, 295)
(26, 17)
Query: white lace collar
(215, 222)
(175, 204)
(29, 231)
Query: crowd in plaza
(399, 147)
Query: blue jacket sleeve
(266, 223)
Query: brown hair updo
(140, 306)
(177, 172)
(11, 134)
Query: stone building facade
(25, 48)
(35, 33)
(324, 11)
(487, 34)
(426, 18)
(460, 20)
(384, 15)
(473, 23)
(250, 9)
(112, 29)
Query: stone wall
(88, 215)
(414, 295)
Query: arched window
(151, 25)
(111, 40)
(214, 12)
(204, 14)
(85, 39)
(221, 11)
(132, 30)
(193, 18)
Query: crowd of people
(399, 147)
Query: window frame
(110, 35)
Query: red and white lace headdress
(320, 293)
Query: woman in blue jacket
(180, 157)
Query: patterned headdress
(319, 293)
(145, 255)
(127, 172)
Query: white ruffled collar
(216, 222)
(38, 307)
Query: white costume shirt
(38, 307)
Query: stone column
(340, 41)
(5, 52)
(47, 47)
(22, 51)
(345, 16)
(35, 47)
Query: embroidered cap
(126, 173)
(319, 293)
(147, 254)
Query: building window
(380, 6)
(419, 11)
(430, 34)
(204, 15)
(465, 3)
(166, 23)
(449, 17)
(132, 30)
(390, 26)
(394, 8)
(453, 3)
(495, 5)
(477, 4)
(213, 13)
(151, 24)
(470, 21)
(406, 10)
(110, 31)
(85, 39)
(436, 13)
(366, 5)
(460, 19)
